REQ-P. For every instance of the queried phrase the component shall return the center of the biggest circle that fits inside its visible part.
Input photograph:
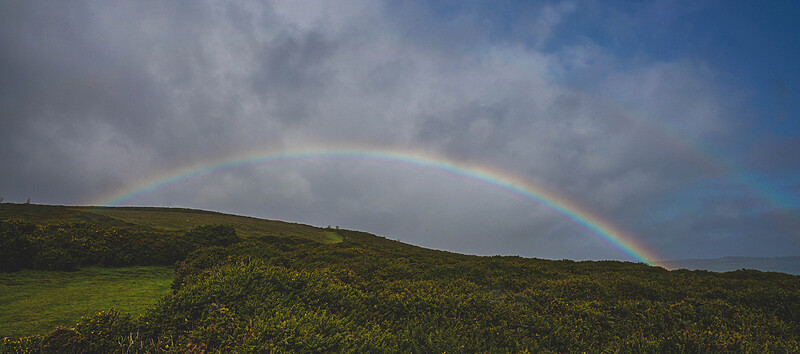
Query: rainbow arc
(523, 188)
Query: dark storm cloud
(292, 74)
(96, 96)
(766, 233)
(64, 94)
(58, 64)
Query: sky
(674, 123)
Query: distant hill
(790, 265)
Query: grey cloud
(769, 233)
(774, 154)
(292, 75)
(97, 96)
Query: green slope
(161, 219)
(289, 288)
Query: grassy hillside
(287, 293)
(161, 219)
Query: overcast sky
(674, 120)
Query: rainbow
(496, 178)
(706, 154)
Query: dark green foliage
(198, 261)
(370, 294)
(387, 297)
(102, 332)
(63, 340)
(105, 332)
(213, 235)
(15, 248)
(162, 220)
(65, 246)
(54, 258)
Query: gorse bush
(69, 245)
(15, 247)
(369, 294)
(54, 258)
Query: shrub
(65, 246)
(213, 235)
(64, 340)
(54, 259)
(103, 332)
(195, 263)
(29, 344)
(15, 249)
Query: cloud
(99, 96)
(550, 16)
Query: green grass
(35, 302)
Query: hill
(160, 220)
(789, 265)
(266, 291)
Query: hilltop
(245, 284)
(161, 220)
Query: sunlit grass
(35, 302)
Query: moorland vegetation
(269, 292)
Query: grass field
(35, 302)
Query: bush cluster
(15, 247)
(69, 245)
